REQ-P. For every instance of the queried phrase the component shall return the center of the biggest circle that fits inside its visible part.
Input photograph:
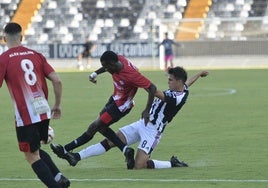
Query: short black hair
(109, 56)
(179, 73)
(12, 28)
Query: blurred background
(58, 28)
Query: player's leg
(62, 152)
(88, 61)
(121, 140)
(149, 139)
(171, 60)
(97, 149)
(58, 176)
(41, 169)
(29, 143)
(80, 61)
(127, 151)
(109, 115)
(166, 63)
(141, 159)
(90, 151)
(173, 162)
(106, 145)
(129, 134)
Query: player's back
(25, 71)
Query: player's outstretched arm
(191, 80)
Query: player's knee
(140, 164)
(31, 157)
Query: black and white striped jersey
(162, 112)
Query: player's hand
(92, 77)
(56, 113)
(204, 73)
(145, 115)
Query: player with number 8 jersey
(25, 72)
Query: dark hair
(109, 56)
(12, 28)
(179, 73)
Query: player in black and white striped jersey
(164, 108)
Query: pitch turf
(221, 133)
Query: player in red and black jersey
(127, 79)
(25, 72)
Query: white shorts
(147, 136)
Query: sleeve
(47, 67)
(2, 72)
(139, 80)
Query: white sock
(161, 164)
(94, 150)
(57, 177)
(124, 149)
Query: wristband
(93, 75)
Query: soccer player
(167, 43)
(164, 108)
(127, 79)
(88, 47)
(25, 72)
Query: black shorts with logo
(111, 114)
(29, 136)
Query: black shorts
(29, 137)
(111, 114)
(86, 53)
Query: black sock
(110, 134)
(84, 138)
(150, 164)
(51, 165)
(105, 144)
(44, 174)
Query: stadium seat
(104, 20)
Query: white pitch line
(214, 92)
(149, 180)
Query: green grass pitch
(221, 133)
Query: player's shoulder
(172, 93)
(31, 50)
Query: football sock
(84, 138)
(110, 134)
(105, 144)
(161, 164)
(94, 150)
(43, 173)
(150, 164)
(47, 159)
